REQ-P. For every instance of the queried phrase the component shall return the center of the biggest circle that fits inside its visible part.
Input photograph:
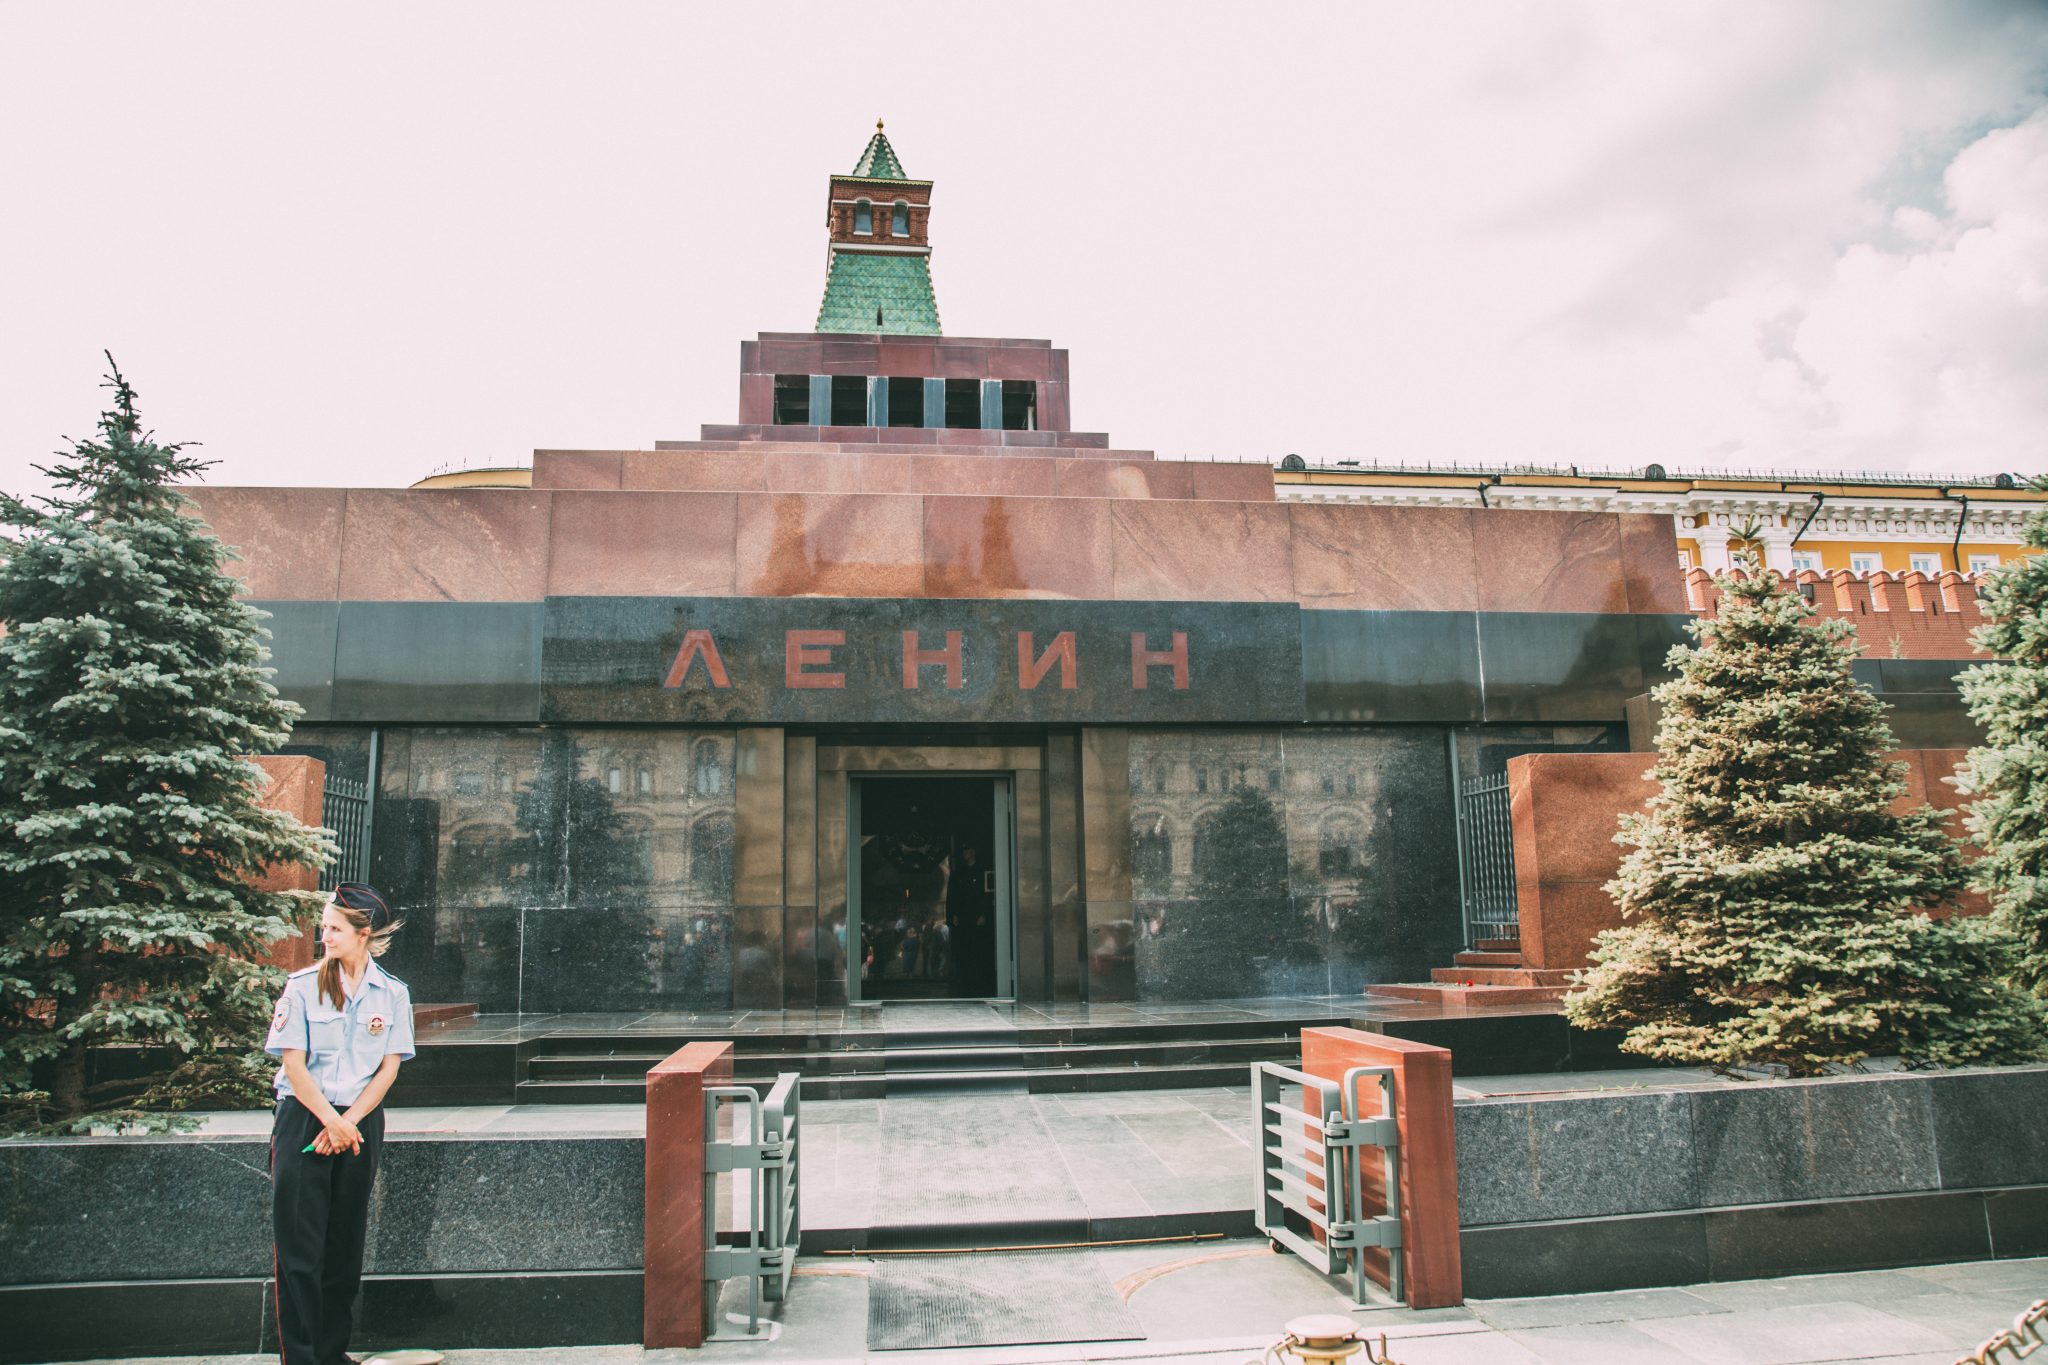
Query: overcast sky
(353, 243)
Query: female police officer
(342, 1027)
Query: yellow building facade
(1865, 524)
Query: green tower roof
(879, 161)
(871, 293)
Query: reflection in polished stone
(1268, 863)
(546, 869)
(345, 749)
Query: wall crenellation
(1909, 615)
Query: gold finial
(878, 125)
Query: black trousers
(319, 1214)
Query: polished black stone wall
(1468, 667)
(592, 660)
(1314, 860)
(553, 869)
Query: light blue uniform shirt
(343, 1047)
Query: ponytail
(363, 908)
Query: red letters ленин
(1144, 659)
(697, 644)
(915, 659)
(1030, 671)
(803, 649)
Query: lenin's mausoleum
(714, 724)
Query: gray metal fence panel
(345, 809)
(1486, 857)
(762, 1153)
(1309, 1168)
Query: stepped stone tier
(713, 724)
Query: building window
(710, 768)
(1865, 565)
(1805, 561)
(906, 402)
(792, 400)
(899, 220)
(1925, 564)
(1272, 779)
(1201, 779)
(711, 858)
(646, 782)
(1152, 859)
(614, 781)
(863, 217)
(849, 400)
(963, 404)
(1020, 405)
(1983, 563)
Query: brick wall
(1897, 616)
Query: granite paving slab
(1597, 1343)
(935, 1302)
(955, 1161)
(1580, 1309)
(1790, 1336)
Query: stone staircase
(1488, 973)
(873, 1065)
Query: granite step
(879, 1085)
(1464, 996)
(1469, 958)
(1497, 945)
(907, 1061)
(1500, 976)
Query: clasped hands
(338, 1136)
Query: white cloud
(1694, 232)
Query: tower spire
(878, 269)
(878, 161)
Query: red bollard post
(1432, 1272)
(674, 1309)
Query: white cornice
(1875, 519)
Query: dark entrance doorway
(930, 885)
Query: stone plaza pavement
(1221, 1303)
(1178, 1161)
(1130, 1163)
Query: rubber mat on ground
(1016, 1299)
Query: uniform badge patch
(376, 1024)
(283, 1015)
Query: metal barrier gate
(1322, 1141)
(763, 1158)
(1486, 859)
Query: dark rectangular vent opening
(963, 403)
(792, 400)
(1020, 405)
(849, 400)
(906, 402)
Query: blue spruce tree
(132, 694)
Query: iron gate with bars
(345, 809)
(1486, 860)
